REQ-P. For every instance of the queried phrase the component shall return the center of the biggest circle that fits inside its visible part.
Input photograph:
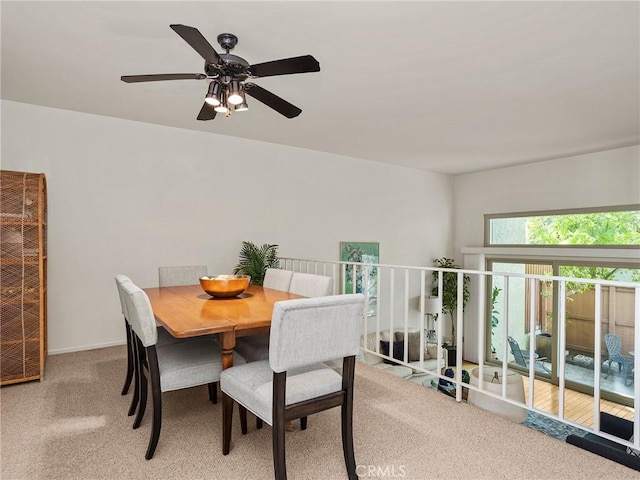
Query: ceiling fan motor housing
(227, 41)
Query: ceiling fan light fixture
(242, 107)
(222, 106)
(211, 100)
(235, 93)
(213, 94)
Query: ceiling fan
(228, 74)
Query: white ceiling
(450, 87)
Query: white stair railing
(405, 283)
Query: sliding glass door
(531, 308)
(616, 329)
(515, 318)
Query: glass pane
(596, 228)
(617, 329)
(519, 316)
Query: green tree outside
(609, 228)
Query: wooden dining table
(187, 311)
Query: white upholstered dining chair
(180, 275)
(294, 382)
(170, 367)
(121, 279)
(311, 285)
(164, 338)
(256, 347)
(277, 279)
(177, 275)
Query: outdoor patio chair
(614, 348)
(521, 357)
(294, 382)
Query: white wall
(126, 197)
(594, 180)
(598, 179)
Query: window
(610, 226)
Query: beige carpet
(73, 425)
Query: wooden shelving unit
(23, 276)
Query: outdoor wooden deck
(578, 407)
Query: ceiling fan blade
(270, 100)
(162, 76)
(286, 66)
(200, 44)
(207, 112)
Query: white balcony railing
(397, 301)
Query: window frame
(488, 217)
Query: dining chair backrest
(180, 275)
(140, 313)
(277, 279)
(311, 285)
(308, 331)
(121, 280)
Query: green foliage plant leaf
(607, 228)
(254, 260)
(450, 289)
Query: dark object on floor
(449, 388)
(612, 425)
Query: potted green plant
(494, 319)
(254, 261)
(449, 295)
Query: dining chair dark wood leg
(227, 420)
(130, 353)
(142, 383)
(347, 417)
(279, 429)
(303, 423)
(243, 419)
(142, 403)
(258, 423)
(136, 372)
(156, 395)
(213, 392)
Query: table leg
(228, 343)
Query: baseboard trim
(58, 351)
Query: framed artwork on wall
(361, 252)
